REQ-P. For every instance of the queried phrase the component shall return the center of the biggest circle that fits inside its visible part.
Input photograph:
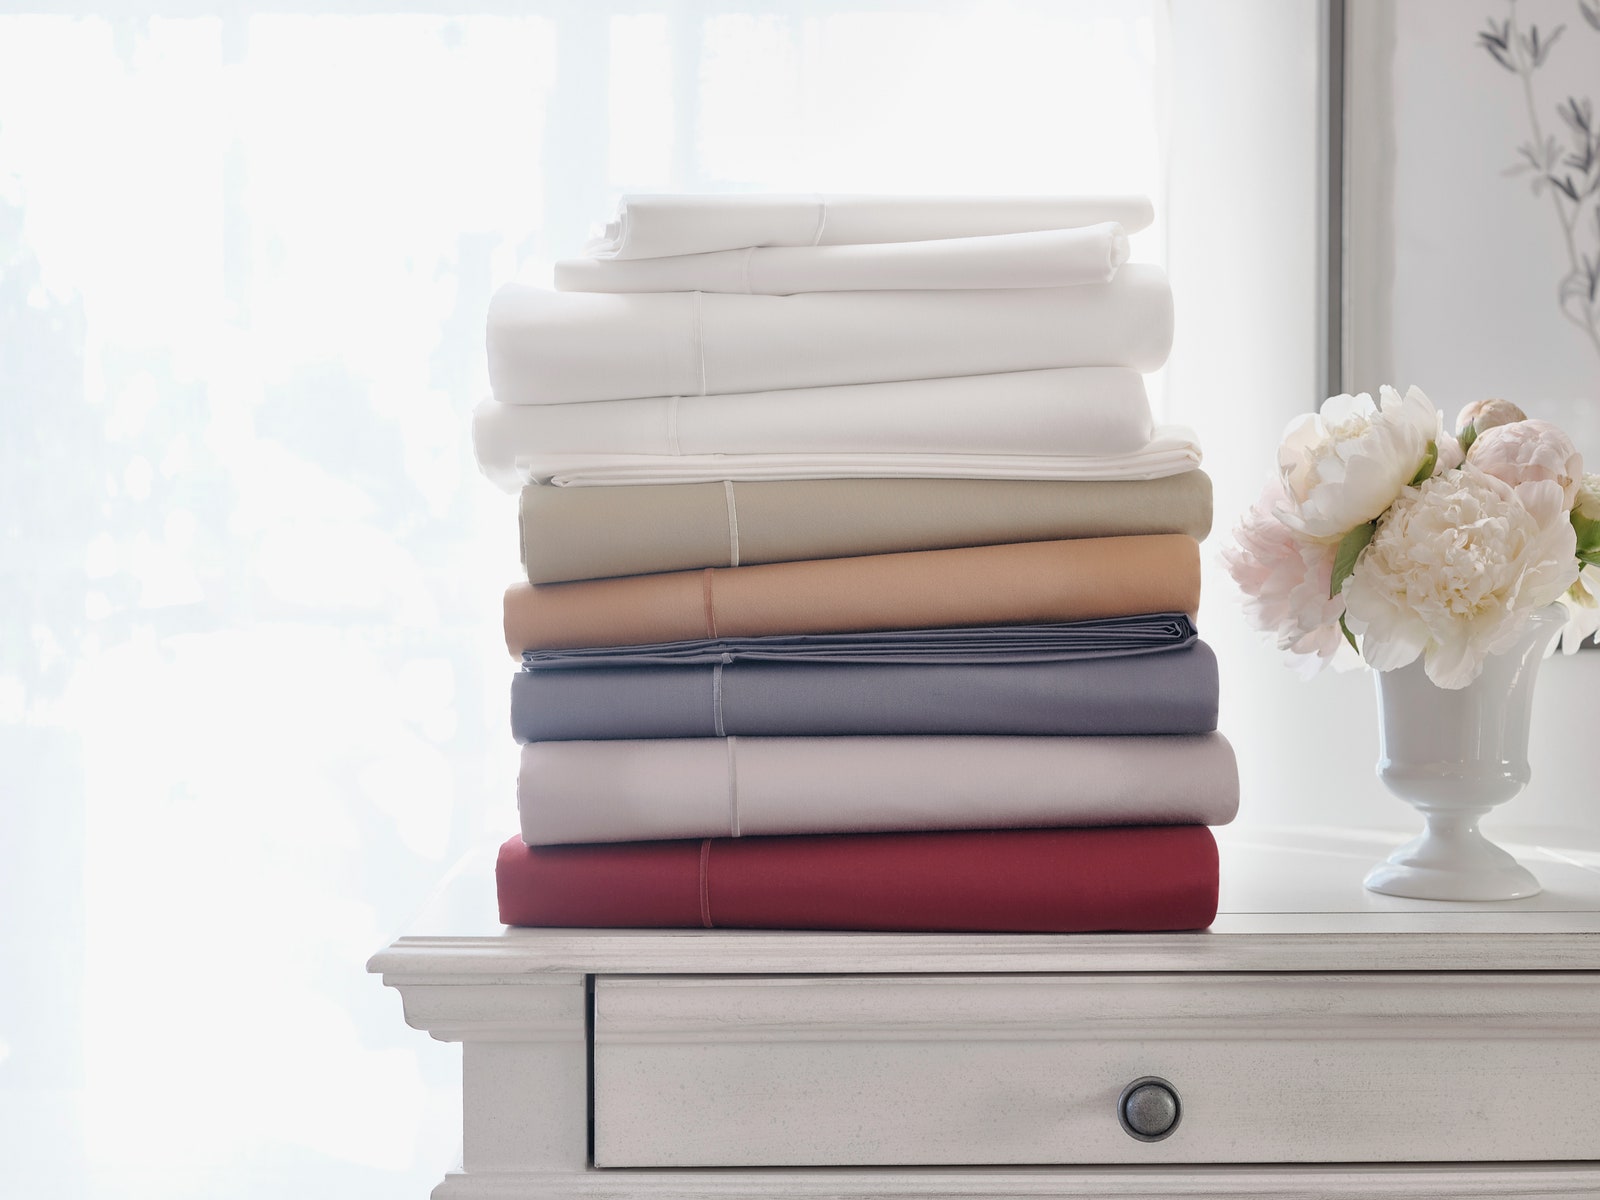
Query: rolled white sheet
(1171, 450)
(562, 347)
(747, 786)
(1072, 410)
(1050, 258)
(655, 226)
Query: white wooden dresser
(1319, 1041)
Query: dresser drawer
(990, 1070)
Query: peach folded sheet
(1018, 584)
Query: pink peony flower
(1484, 415)
(1529, 452)
(1285, 578)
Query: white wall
(1243, 248)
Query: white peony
(1587, 503)
(1527, 451)
(1343, 466)
(1582, 602)
(1454, 570)
(1451, 455)
(1285, 579)
(1586, 517)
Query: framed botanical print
(1466, 185)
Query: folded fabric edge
(1153, 632)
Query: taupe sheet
(1031, 583)
(596, 533)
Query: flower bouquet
(1383, 532)
(1447, 563)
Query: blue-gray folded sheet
(1107, 637)
(1172, 691)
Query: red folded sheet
(1160, 877)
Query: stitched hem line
(705, 884)
(700, 337)
(822, 221)
(673, 445)
(707, 603)
(733, 787)
(733, 523)
(716, 700)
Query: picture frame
(1462, 199)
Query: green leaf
(1588, 532)
(1468, 436)
(1425, 471)
(1344, 559)
(1589, 558)
(1348, 636)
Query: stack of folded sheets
(861, 585)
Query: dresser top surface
(1291, 900)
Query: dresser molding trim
(1521, 1182)
(545, 1008)
(635, 1010)
(1413, 942)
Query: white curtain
(252, 695)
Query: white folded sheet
(561, 347)
(749, 786)
(1050, 258)
(1171, 450)
(1071, 410)
(654, 226)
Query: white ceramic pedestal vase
(1454, 755)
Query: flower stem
(1525, 72)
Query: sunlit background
(253, 697)
(253, 694)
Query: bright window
(252, 696)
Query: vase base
(1418, 871)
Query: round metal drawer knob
(1149, 1109)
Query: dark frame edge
(1331, 194)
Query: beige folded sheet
(594, 533)
(1034, 582)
